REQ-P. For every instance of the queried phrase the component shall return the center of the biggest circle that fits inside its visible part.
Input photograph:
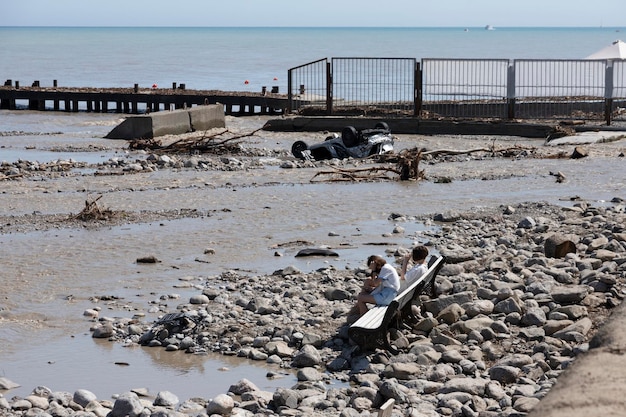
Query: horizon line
(314, 27)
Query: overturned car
(352, 143)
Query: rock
(569, 295)
(83, 397)
(148, 260)
(243, 386)
(450, 314)
(579, 152)
(527, 223)
(402, 371)
(222, 404)
(307, 356)
(199, 299)
(308, 374)
(127, 404)
(316, 252)
(558, 245)
(473, 386)
(504, 374)
(103, 331)
(166, 399)
(285, 398)
(7, 384)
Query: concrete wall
(175, 122)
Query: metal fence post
(289, 93)
(417, 82)
(608, 92)
(510, 91)
(329, 89)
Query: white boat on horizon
(489, 27)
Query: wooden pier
(136, 100)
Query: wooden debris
(215, 143)
(93, 212)
(357, 174)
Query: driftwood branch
(355, 175)
(214, 143)
(93, 212)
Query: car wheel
(349, 136)
(298, 147)
(381, 125)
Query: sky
(388, 13)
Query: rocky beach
(534, 242)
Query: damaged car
(352, 143)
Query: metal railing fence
(468, 88)
(461, 88)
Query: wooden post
(386, 409)
(608, 110)
(136, 88)
(174, 86)
(75, 106)
(54, 83)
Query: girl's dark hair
(379, 261)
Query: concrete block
(207, 117)
(175, 122)
(170, 123)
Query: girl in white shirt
(382, 286)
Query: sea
(61, 354)
(246, 59)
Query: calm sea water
(224, 58)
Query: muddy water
(253, 220)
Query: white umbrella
(616, 50)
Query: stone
(243, 386)
(308, 374)
(285, 398)
(166, 399)
(559, 245)
(7, 384)
(307, 356)
(222, 404)
(103, 331)
(450, 314)
(504, 374)
(402, 371)
(199, 299)
(127, 404)
(82, 397)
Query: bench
(371, 330)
